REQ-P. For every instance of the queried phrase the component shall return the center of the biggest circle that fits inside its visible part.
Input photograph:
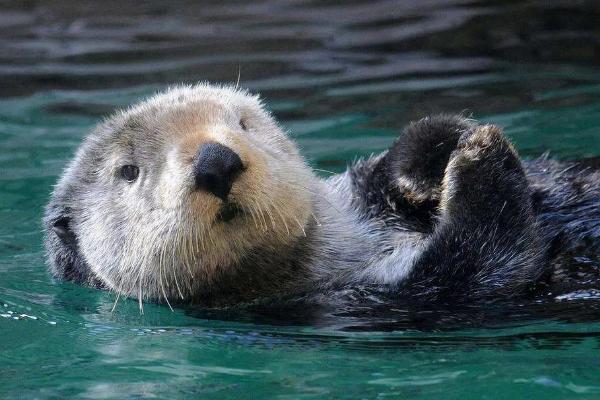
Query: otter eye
(130, 172)
(243, 125)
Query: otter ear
(65, 261)
(62, 228)
(418, 158)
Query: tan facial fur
(159, 237)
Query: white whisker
(116, 301)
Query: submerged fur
(448, 212)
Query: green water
(343, 80)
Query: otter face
(164, 197)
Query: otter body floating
(197, 195)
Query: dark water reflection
(360, 312)
(303, 48)
(388, 61)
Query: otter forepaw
(486, 141)
(484, 174)
(417, 160)
(486, 241)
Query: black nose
(216, 168)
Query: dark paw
(486, 242)
(418, 158)
(484, 174)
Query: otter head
(165, 197)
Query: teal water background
(343, 78)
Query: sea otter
(197, 195)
